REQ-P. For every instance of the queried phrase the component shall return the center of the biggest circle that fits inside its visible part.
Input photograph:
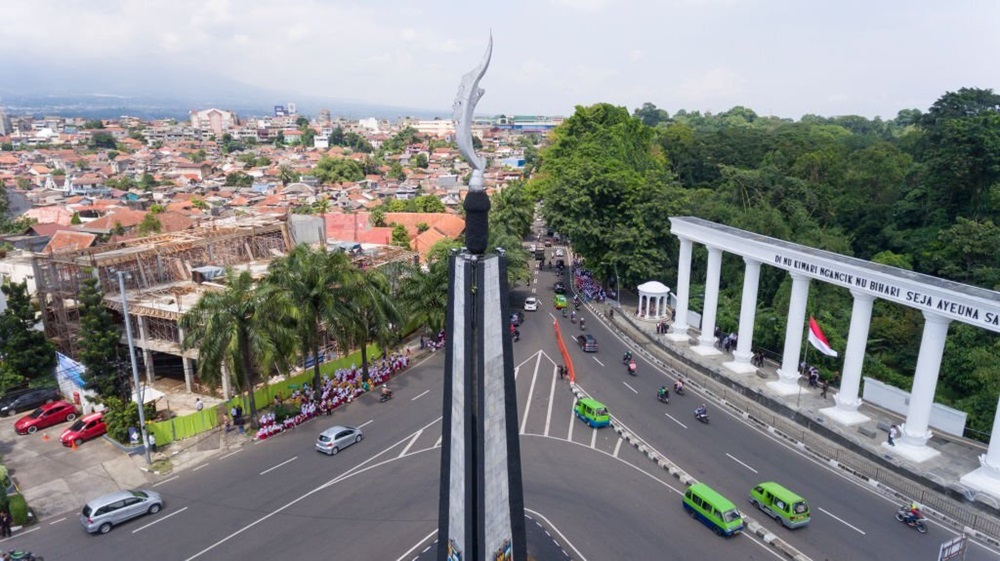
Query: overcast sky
(780, 57)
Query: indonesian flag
(818, 340)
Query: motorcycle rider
(678, 385)
(701, 411)
(386, 392)
(572, 316)
(663, 393)
(581, 324)
(627, 358)
(631, 366)
(914, 513)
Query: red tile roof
(67, 240)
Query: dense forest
(919, 192)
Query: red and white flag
(818, 340)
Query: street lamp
(135, 366)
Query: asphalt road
(596, 495)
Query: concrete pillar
(680, 326)
(987, 476)
(788, 374)
(915, 433)
(748, 314)
(848, 399)
(186, 363)
(226, 390)
(706, 342)
(147, 355)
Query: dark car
(559, 288)
(30, 400)
(587, 342)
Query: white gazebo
(653, 300)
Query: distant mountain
(166, 92)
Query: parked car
(336, 438)
(105, 512)
(587, 342)
(531, 304)
(46, 416)
(559, 288)
(30, 400)
(85, 428)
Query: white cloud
(635, 55)
(714, 85)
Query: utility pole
(135, 366)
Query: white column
(661, 307)
(147, 355)
(913, 444)
(748, 314)
(987, 476)
(680, 326)
(707, 339)
(848, 399)
(185, 362)
(788, 374)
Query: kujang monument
(481, 509)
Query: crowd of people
(345, 385)
(586, 285)
(433, 343)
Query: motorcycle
(385, 397)
(631, 368)
(19, 555)
(582, 327)
(627, 358)
(663, 397)
(906, 517)
(703, 417)
(679, 390)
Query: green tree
(420, 161)
(650, 115)
(150, 225)
(239, 179)
(308, 286)
(337, 137)
(238, 331)
(400, 237)
(23, 183)
(102, 140)
(424, 294)
(286, 175)
(374, 316)
(75, 219)
(100, 348)
(377, 217)
(396, 171)
(93, 124)
(428, 203)
(27, 353)
(337, 170)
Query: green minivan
(713, 510)
(592, 412)
(781, 504)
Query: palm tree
(286, 175)
(237, 329)
(308, 286)
(424, 294)
(372, 315)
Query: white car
(560, 253)
(531, 304)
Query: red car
(45, 416)
(86, 428)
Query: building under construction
(165, 276)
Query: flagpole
(802, 372)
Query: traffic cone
(72, 445)
(45, 437)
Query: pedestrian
(893, 434)
(226, 422)
(198, 405)
(152, 442)
(825, 386)
(5, 524)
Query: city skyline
(775, 57)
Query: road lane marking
(671, 417)
(552, 398)
(201, 466)
(593, 438)
(598, 362)
(630, 387)
(366, 423)
(572, 421)
(733, 458)
(531, 392)
(556, 530)
(349, 473)
(165, 481)
(292, 459)
(231, 454)
(55, 521)
(411, 443)
(158, 520)
(841, 520)
(618, 446)
(414, 548)
(421, 395)
(438, 443)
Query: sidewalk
(857, 449)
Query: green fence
(179, 428)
